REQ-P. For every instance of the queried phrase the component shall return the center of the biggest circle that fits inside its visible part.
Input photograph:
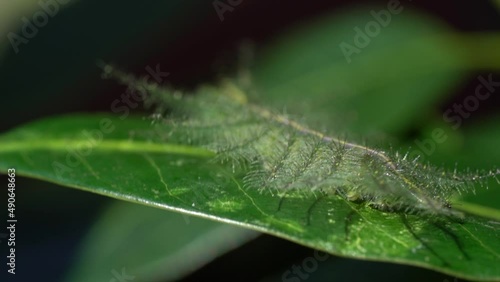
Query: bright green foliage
(148, 169)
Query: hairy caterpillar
(279, 155)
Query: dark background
(57, 73)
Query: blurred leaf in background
(10, 19)
(409, 64)
(152, 244)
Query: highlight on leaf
(280, 156)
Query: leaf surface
(130, 166)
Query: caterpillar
(278, 155)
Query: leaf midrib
(64, 144)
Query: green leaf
(152, 244)
(413, 62)
(128, 163)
